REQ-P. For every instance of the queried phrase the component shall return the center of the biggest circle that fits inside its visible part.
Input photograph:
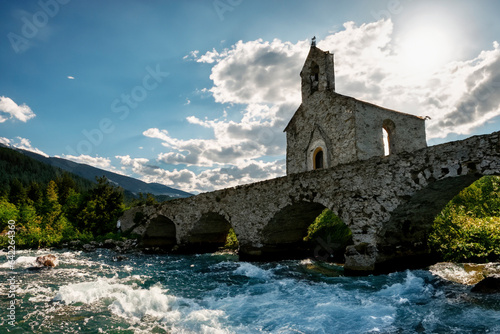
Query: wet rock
(119, 258)
(465, 273)
(488, 285)
(360, 259)
(75, 244)
(120, 246)
(109, 243)
(88, 247)
(119, 243)
(49, 260)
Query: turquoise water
(91, 293)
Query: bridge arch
(208, 234)
(408, 229)
(161, 232)
(283, 237)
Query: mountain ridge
(88, 172)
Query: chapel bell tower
(318, 71)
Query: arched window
(318, 158)
(314, 76)
(388, 128)
(385, 138)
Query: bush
(468, 228)
(231, 240)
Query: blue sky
(195, 94)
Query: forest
(51, 206)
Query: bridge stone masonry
(387, 193)
(389, 203)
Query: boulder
(360, 259)
(109, 243)
(49, 260)
(488, 285)
(89, 247)
(75, 244)
(465, 273)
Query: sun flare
(425, 47)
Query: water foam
(21, 262)
(135, 304)
(252, 271)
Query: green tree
(17, 193)
(35, 194)
(101, 208)
(468, 228)
(31, 230)
(8, 211)
(66, 186)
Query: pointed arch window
(318, 159)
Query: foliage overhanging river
(92, 293)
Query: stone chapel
(329, 129)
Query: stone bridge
(389, 203)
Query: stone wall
(406, 132)
(327, 117)
(347, 130)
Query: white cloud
(206, 180)
(5, 141)
(70, 77)
(258, 134)
(23, 144)
(257, 72)
(262, 78)
(476, 97)
(99, 162)
(9, 110)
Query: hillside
(90, 173)
(15, 165)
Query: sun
(424, 47)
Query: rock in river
(47, 260)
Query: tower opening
(318, 158)
(314, 76)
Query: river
(98, 293)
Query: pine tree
(17, 194)
(101, 208)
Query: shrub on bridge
(468, 228)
